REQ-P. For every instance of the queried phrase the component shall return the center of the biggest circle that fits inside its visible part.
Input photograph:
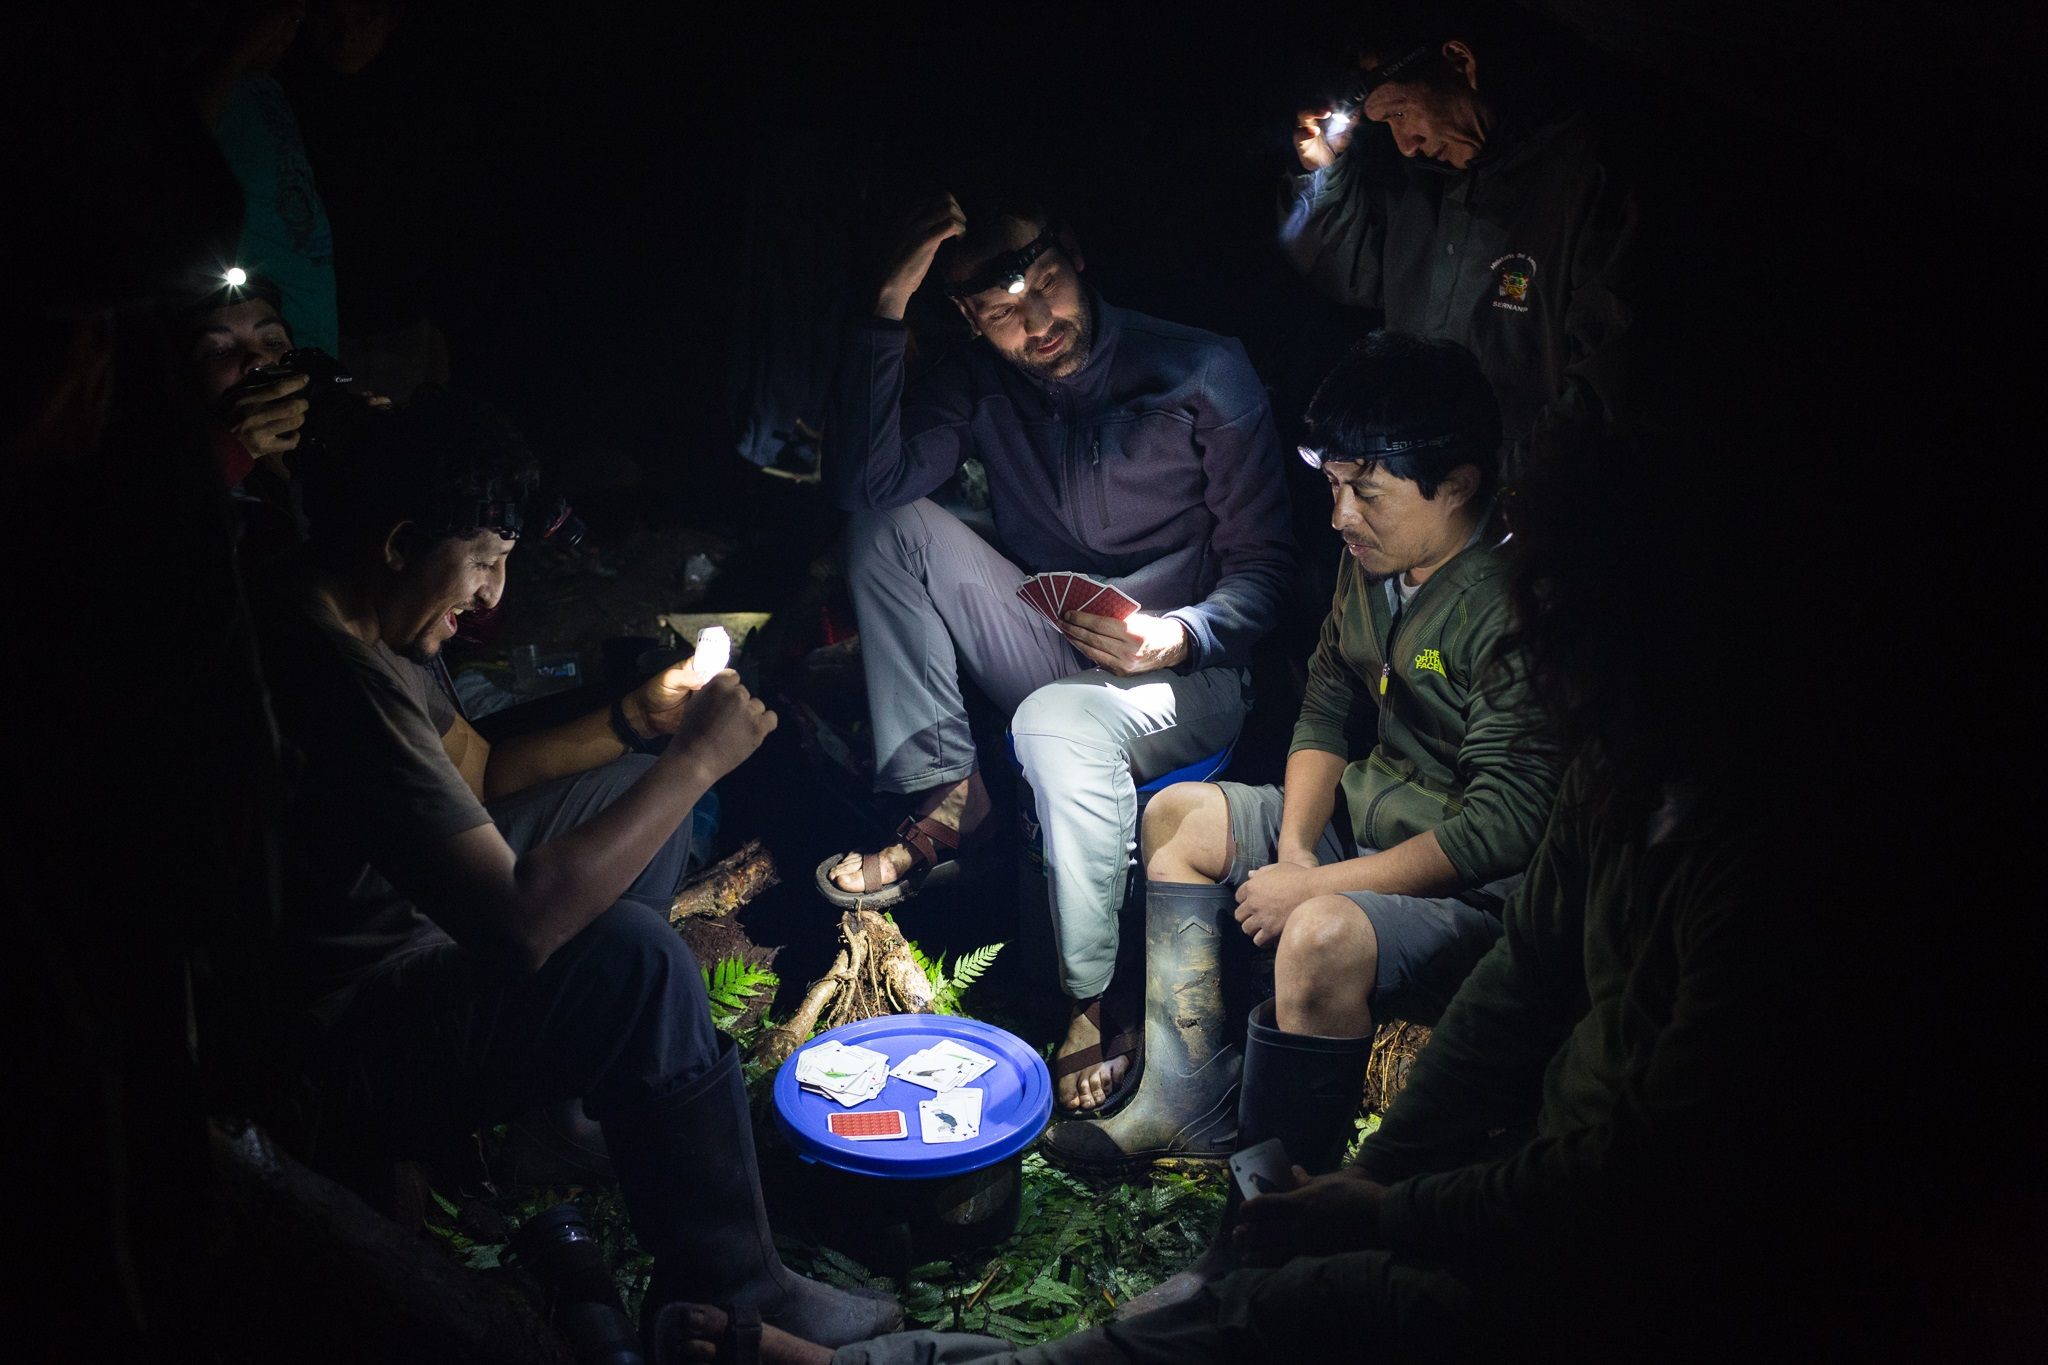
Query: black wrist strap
(623, 731)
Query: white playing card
(952, 1117)
(972, 1063)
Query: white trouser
(935, 601)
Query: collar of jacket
(1091, 378)
(1483, 558)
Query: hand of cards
(1054, 594)
(855, 1075)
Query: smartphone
(1263, 1169)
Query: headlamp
(1376, 448)
(1004, 272)
(512, 518)
(234, 277)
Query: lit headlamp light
(1377, 448)
(1005, 272)
(234, 277)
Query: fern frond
(969, 968)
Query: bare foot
(961, 807)
(707, 1324)
(1091, 1087)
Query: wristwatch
(623, 731)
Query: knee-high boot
(1185, 1105)
(686, 1165)
(1301, 1088)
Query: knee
(1184, 816)
(634, 947)
(1060, 710)
(881, 536)
(1326, 938)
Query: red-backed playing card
(1098, 598)
(869, 1124)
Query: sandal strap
(925, 838)
(870, 873)
(1109, 1045)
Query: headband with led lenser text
(1378, 448)
(1004, 272)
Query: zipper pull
(1386, 671)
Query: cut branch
(727, 885)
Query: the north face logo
(1431, 660)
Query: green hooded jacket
(1438, 738)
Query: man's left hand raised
(1137, 644)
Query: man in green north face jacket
(1418, 785)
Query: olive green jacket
(1437, 736)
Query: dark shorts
(1427, 944)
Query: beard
(1071, 359)
(421, 652)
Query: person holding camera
(475, 930)
(1488, 212)
(1137, 451)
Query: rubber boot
(686, 1166)
(558, 1250)
(1185, 1105)
(1298, 1087)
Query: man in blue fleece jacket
(1137, 451)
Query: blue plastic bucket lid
(1016, 1100)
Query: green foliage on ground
(1079, 1250)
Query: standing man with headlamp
(1504, 226)
(1138, 451)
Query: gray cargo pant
(1363, 1305)
(935, 601)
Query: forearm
(869, 462)
(1414, 867)
(572, 879)
(529, 760)
(1310, 799)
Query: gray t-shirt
(373, 789)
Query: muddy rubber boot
(1298, 1087)
(1185, 1106)
(686, 1165)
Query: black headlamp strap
(1005, 271)
(1378, 448)
(1400, 68)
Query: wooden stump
(1395, 1046)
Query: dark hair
(1398, 386)
(429, 461)
(987, 212)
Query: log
(1395, 1046)
(873, 975)
(727, 884)
(323, 1276)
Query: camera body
(332, 402)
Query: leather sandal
(1118, 1038)
(932, 846)
(738, 1344)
